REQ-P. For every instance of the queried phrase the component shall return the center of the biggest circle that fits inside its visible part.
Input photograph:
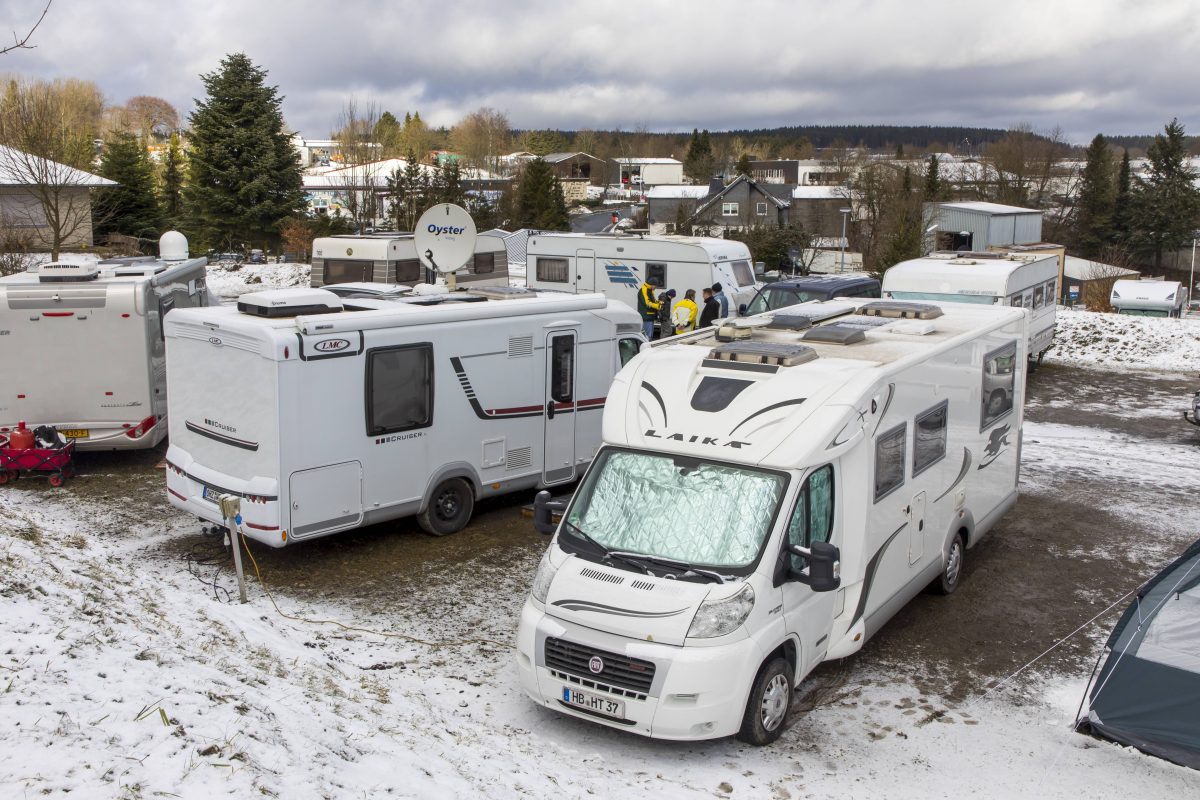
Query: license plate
(75, 433)
(211, 495)
(594, 702)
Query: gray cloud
(1085, 65)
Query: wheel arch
(455, 469)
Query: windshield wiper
(606, 553)
(685, 570)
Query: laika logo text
(711, 441)
(331, 345)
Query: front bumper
(697, 692)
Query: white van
(328, 413)
(81, 345)
(1020, 280)
(1148, 298)
(616, 264)
(768, 495)
(391, 258)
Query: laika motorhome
(767, 496)
(616, 265)
(328, 413)
(1148, 298)
(1019, 280)
(82, 345)
(392, 258)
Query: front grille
(620, 671)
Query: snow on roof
(820, 193)
(1084, 269)
(669, 190)
(990, 208)
(18, 168)
(648, 161)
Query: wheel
(4, 477)
(449, 508)
(770, 698)
(952, 573)
(56, 479)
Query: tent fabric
(1147, 694)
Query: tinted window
(742, 273)
(485, 263)
(552, 270)
(407, 271)
(342, 270)
(562, 369)
(656, 274)
(627, 349)
(399, 389)
(771, 299)
(929, 438)
(999, 380)
(812, 519)
(1037, 297)
(889, 461)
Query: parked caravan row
(767, 496)
(1019, 280)
(392, 259)
(616, 265)
(326, 413)
(1148, 298)
(82, 345)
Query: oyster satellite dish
(445, 238)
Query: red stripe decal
(518, 410)
(177, 494)
(262, 527)
(58, 313)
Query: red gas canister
(21, 438)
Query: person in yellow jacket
(684, 314)
(647, 307)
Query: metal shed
(978, 226)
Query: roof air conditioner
(58, 272)
(289, 302)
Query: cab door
(558, 465)
(585, 270)
(808, 614)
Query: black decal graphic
(996, 445)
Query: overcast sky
(1116, 66)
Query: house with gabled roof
(744, 203)
(45, 204)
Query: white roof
(1159, 291)
(1083, 269)
(820, 193)
(990, 208)
(667, 190)
(18, 168)
(984, 276)
(648, 161)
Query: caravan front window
(696, 512)
(552, 270)
(742, 273)
(399, 389)
(484, 264)
(408, 271)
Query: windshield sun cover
(699, 513)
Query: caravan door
(585, 270)
(559, 463)
(326, 498)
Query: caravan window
(552, 270)
(812, 519)
(485, 263)
(929, 437)
(742, 273)
(999, 380)
(399, 389)
(344, 270)
(889, 461)
(1038, 300)
(627, 349)
(656, 274)
(408, 271)
(562, 368)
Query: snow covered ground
(1111, 341)
(229, 282)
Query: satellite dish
(445, 238)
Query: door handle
(921, 525)
(549, 409)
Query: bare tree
(482, 137)
(1113, 264)
(360, 162)
(151, 116)
(22, 42)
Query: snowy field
(124, 676)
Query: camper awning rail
(408, 315)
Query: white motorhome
(767, 496)
(81, 345)
(616, 264)
(328, 413)
(392, 258)
(1148, 298)
(1019, 280)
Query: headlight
(543, 579)
(719, 617)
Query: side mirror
(742, 310)
(544, 509)
(824, 566)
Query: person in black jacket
(712, 309)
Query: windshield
(695, 512)
(983, 299)
(771, 299)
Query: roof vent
(58, 272)
(503, 292)
(776, 353)
(173, 246)
(289, 302)
(835, 333)
(898, 309)
(912, 327)
(737, 329)
(789, 322)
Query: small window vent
(519, 458)
(835, 334)
(520, 346)
(777, 353)
(897, 309)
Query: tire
(951, 575)
(56, 479)
(4, 477)
(449, 508)
(767, 707)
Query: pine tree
(743, 165)
(171, 187)
(387, 134)
(698, 163)
(933, 180)
(1122, 204)
(1094, 205)
(1166, 203)
(244, 177)
(539, 202)
(131, 207)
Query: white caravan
(617, 264)
(767, 496)
(328, 413)
(1020, 280)
(81, 345)
(392, 258)
(1148, 298)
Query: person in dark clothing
(712, 310)
(665, 328)
(719, 295)
(647, 309)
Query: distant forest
(1137, 145)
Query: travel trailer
(616, 265)
(767, 496)
(391, 258)
(326, 413)
(82, 345)
(1148, 298)
(1019, 280)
